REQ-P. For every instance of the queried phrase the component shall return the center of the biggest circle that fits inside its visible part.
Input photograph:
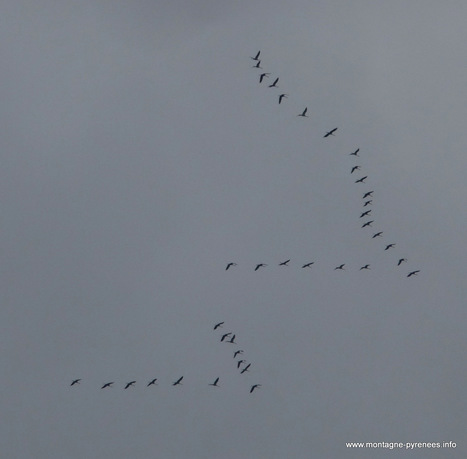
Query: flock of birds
(229, 338)
(366, 213)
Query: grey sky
(140, 154)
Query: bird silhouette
(219, 325)
(262, 76)
(304, 113)
(76, 381)
(377, 235)
(365, 267)
(389, 246)
(331, 132)
(229, 265)
(245, 369)
(401, 260)
(255, 386)
(225, 336)
(260, 265)
(274, 85)
(355, 168)
(178, 382)
(364, 214)
(368, 194)
(109, 384)
(232, 340)
(282, 96)
(130, 384)
(256, 57)
(413, 273)
(362, 180)
(152, 383)
(239, 352)
(368, 203)
(215, 383)
(367, 223)
(284, 263)
(308, 265)
(355, 153)
(257, 65)
(239, 363)
(340, 267)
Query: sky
(140, 155)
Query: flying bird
(232, 340)
(368, 203)
(282, 96)
(362, 180)
(365, 267)
(377, 235)
(367, 223)
(219, 325)
(76, 381)
(389, 246)
(340, 267)
(178, 382)
(257, 65)
(368, 194)
(239, 363)
(245, 369)
(255, 386)
(355, 168)
(331, 132)
(240, 351)
(308, 265)
(355, 153)
(304, 113)
(229, 265)
(284, 263)
(402, 260)
(413, 273)
(130, 384)
(260, 265)
(274, 85)
(256, 57)
(109, 384)
(262, 76)
(364, 214)
(152, 383)
(225, 336)
(215, 383)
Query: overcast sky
(140, 154)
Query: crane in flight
(304, 113)
(367, 223)
(389, 246)
(109, 384)
(130, 384)
(282, 96)
(308, 265)
(225, 336)
(75, 381)
(219, 325)
(245, 369)
(274, 85)
(413, 273)
(260, 265)
(229, 265)
(284, 263)
(355, 168)
(368, 194)
(262, 76)
(239, 363)
(362, 180)
(379, 234)
(364, 214)
(401, 260)
(340, 267)
(256, 57)
(239, 352)
(255, 386)
(355, 153)
(178, 382)
(152, 382)
(232, 340)
(365, 267)
(368, 203)
(215, 383)
(257, 65)
(331, 132)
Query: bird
(240, 362)
(260, 265)
(282, 96)
(367, 194)
(229, 265)
(368, 203)
(331, 132)
(340, 267)
(308, 265)
(257, 65)
(245, 369)
(256, 57)
(232, 340)
(389, 246)
(413, 273)
(225, 336)
(255, 386)
(262, 76)
(284, 263)
(401, 260)
(355, 168)
(130, 384)
(367, 223)
(274, 85)
(152, 383)
(178, 382)
(109, 384)
(365, 267)
(240, 351)
(219, 325)
(304, 113)
(377, 235)
(364, 214)
(215, 383)
(75, 381)
(355, 153)
(362, 180)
